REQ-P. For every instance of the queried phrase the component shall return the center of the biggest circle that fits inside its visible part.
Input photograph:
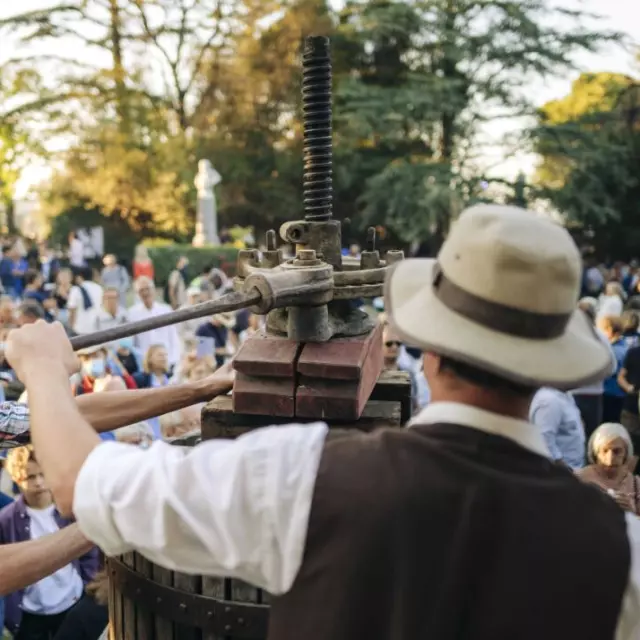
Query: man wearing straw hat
(460, 526)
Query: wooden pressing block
(266, 376)
(220, 421)
(264, 396)
(337, 377)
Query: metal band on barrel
(495, 316)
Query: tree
(589, 142)
(430, 74)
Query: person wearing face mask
(98, 364)
(128, 355)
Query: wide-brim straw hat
(501, 296)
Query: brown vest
(443, 532)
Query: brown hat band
(495, 316)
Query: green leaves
(590, 145)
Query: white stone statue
(207, 218)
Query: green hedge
(165, 258)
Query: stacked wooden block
(327, 381)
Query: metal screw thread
(316, 105)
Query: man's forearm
(115, 409)
(61, 451)
(25, 563)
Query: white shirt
(240, 508)
(610, 306)
(59, 591)
(166, 336)
(104, 320)
(560, 422)
(85, 320)
(76, 253)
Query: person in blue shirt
(6, 272)
(613, 396)
(33, 290)
(212, 337)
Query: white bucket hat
(502, 296)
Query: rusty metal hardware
(316, 108)
(222, 617)
(230, 302)
(309, 298)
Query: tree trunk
(448, 117)
(118, 65)
(10, 210)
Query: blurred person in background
(613, 396)
(142, 264)
(610, 453)
(590, 399)
(611, 302)
(630, 323)
(155, 374)
(104, 385)
(187, 330)
(36, 613)
(189, 357)
(180, 423)
(7, 312)
(84, 302)
(98, 364)
(49, 263)
(33, 290)
(76, 252)
(213, 337)
(176, 289)
(61, 293)
(201, 368)
(149, 307)
(111, 314)
(115, 276)
(10, 273)
(392, 349)
(140, 434)
(29, 312)
(557, 416)
(128, 355)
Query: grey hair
(604, 434)
(140, 430)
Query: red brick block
(268, 356)
(337, 378)
(264, 396)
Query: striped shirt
(14, 425)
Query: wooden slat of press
(117, 615)
(243, 592)
(145, 620)
(190, 584)
(395, 386)
(336, 378)
(112, 607)
(264, 396)
(268, 356)
(214, 588)
(164, 627)
(220, 421)
(128, 606)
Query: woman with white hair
(140, 434)
(610, 453)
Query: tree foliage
(590, 170)
(179, 80)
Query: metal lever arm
(229, 302)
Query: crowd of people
(502, 383)
(39, 283)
